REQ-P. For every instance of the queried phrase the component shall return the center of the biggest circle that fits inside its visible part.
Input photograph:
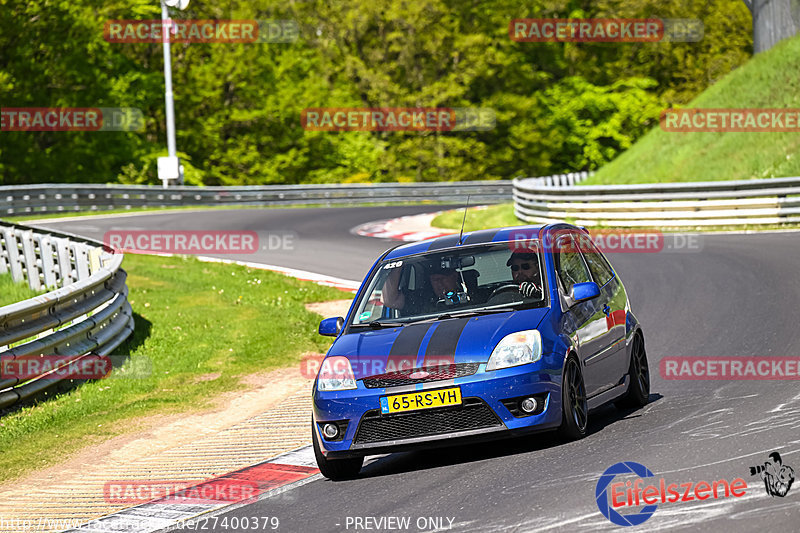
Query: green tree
(559, 106)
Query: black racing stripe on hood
(445, 337)
(482, 236)
(444, 242)
(409, 340)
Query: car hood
(456, 340)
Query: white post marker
(170, 171)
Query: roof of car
(473, 237)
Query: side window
(569, 263)
(598, 265)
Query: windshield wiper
(475, 312)
(380, 324)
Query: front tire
(574, 408)
(335, 469)
(638, 393)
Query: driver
(525, 273)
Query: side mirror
(584, 291)
(330, 327)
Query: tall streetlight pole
(169, 168)
(168, 80)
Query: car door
(595, 341)
(614, 309)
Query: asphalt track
(734, 295)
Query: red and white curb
(408, 229)
(274, 478)
(270, 478)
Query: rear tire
(638, 393)
(574, 408)
(335, 469)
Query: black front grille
(436, 373)
(472, 414)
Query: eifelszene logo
(632, 494)
(607, 508)
(778, 477)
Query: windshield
(472, 279)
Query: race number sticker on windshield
(420, 400)
(393, 265)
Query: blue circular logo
(602, 497)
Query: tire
(638, 393)
(335, 469)
(574, 409)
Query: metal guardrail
(55, 198)
(87, 313)
(703, 204)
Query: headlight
(336, 374)
(516, 349)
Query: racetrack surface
(318, 239)
(736, 296)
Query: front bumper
(482, 415)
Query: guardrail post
(48, 265)
(29, 253)
(3, 254)
(64, 261)
(81, 260)
(94, 260)
(12, 247)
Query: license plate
(420, 400)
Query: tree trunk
(773, 21)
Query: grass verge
(203, 326)
(493, 216)
(768, 80)
(12, 292)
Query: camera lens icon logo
(603, 499)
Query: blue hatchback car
(479, 336)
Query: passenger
(443, 282)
